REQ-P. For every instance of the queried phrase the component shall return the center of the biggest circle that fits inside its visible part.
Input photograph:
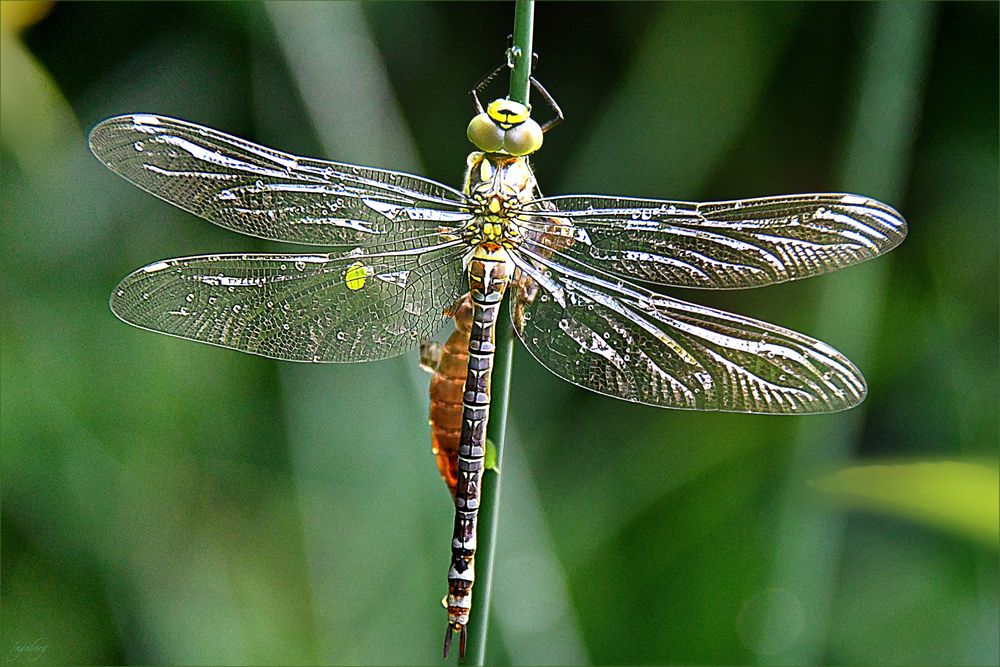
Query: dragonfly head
(505, 127)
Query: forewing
(262, 192)
(317, 308)
(730, 244)
(620, 340)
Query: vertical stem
(489, 506)
(524, 25)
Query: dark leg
(482, 83)
(552, 122)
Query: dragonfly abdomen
(489, 273)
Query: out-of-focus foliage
(165, 502)
(964, 497)
(15, 16)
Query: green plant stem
(489, 507)
(524, 22)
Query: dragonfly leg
(559, 117)
(482, 83)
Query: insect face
(505, 127)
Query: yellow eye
(484, 134)
(524, 139)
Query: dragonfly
(401, 254)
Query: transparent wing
(318, 308)
(620, 340)
(263, 192)
(731, 244)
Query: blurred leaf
(17, 15)
(964, 497)
(892, 61)
(319, 40)
(36, 120)
(692, 87)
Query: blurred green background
(172, 503)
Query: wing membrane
(318, 308)
(262, 192)
(620, 340)
(732, 244)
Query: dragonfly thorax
(498, 187)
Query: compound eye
(484, 134)
(524, 139)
